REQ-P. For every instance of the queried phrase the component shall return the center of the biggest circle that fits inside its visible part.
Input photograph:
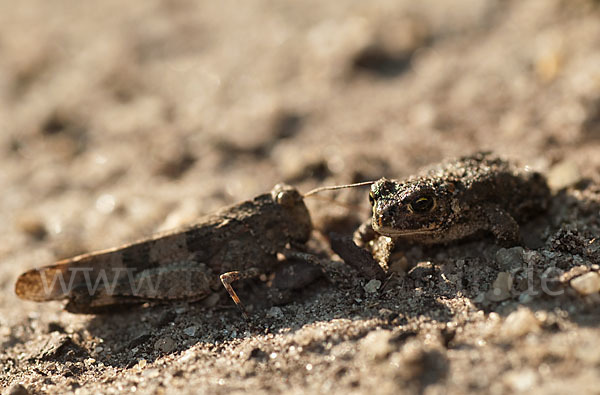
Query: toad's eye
(422, 204)
(371, 199)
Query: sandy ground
(120, 119)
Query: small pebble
(521, 380)
(89, 361)
(573, 273)
(500, 288)
(106, 203)
(509, 258)
(165, 344)
(190, 330)
(275, 312)
(377, 345)
(372, 286)
(519, 323)
(563, 174)
(586, 284)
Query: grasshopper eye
(286, 198)
(422, 204)
(371, 199)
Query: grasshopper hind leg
(228, 278)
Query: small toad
(454, 200)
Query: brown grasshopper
(238, 242)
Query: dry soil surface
(120, 119)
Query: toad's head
(419, 207)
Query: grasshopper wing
(160, 268)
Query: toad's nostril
(382, 214)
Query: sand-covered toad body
(457, 199)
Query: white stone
(519, 323)
(190, 330)
(372, 286)
(521, 380)
(586, 284)
(500, 288)
(563, 174)
(377, 345)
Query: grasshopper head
(293, 215)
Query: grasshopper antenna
(335, 187)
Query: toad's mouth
(392, 232)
